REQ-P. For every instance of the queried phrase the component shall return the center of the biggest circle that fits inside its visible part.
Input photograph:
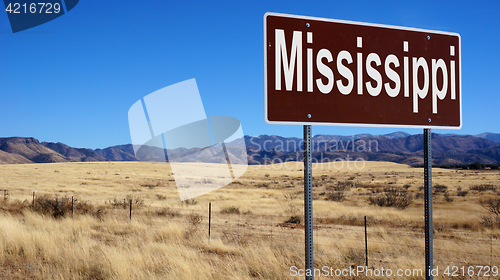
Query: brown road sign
(331, 72)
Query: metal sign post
(308, 207)
(428, 203)
(298, 82)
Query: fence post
(271, 231)
(131, 209)
(4, 194)
(317, 238)
(239, 216)
(209, 218)
(72, 206)
(33, 205)
(366, 245)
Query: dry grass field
(256, 230)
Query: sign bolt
(308, 116)
(428, 37)
(429, 119)
(307, 24)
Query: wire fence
(372, 243)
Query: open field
(254, 233)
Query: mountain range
(400, 147)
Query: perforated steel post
(428, 203)
(308, 207)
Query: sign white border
(364, 24)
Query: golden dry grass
(163, 241)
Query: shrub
(115, 203)
(355, 257)
(338, 196)
(350, 220)
(194, 220)
(295, 219)
(230, 210)
(161, 196)
(14, 206)
(483, 187)
(149, 186)
(342, 186)
(125, 203)
(99, 214)
(462, 193)
(167, 212)
(492, 205)
(264, 185)
(345, 185)
(475, 166)
(447, 197)
(190, 201)
(440, 188)
(60, 207)
(290, 206)
(82, 207)
(51, 206)
(137, 201)
(490, 222)
(392, 197)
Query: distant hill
(446, 150)
(30, 149)
(8, 158)
(495, 137)
(490, 153)
(440, 144)
(117, 153)
(395, 135)
(73, 154)
(400, 147)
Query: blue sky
(73, 79)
